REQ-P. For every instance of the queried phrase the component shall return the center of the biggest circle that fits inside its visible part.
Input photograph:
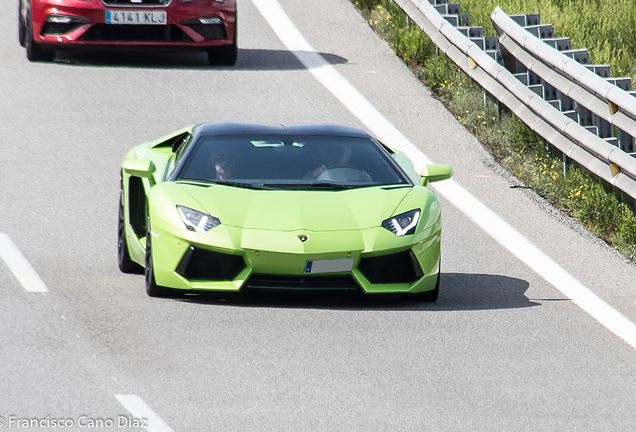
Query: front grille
(401, 267)
(58, 29)
(135, 33)
(309, 283)
(207, 265)
(210, 31)
(137, 3)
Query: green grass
(512, 143)
(604, 27)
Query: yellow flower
(467, 112)
(483, 123)
(388, 16)
(459, 117)
(478, 117)
(458, 93)
(493, 119)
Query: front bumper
(88, 27)
(230, 259)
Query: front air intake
(210, 31)
(401, 267)
(58, 29)
(135, 33)
(302, 283)
(206, 265)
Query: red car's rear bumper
(88, 28)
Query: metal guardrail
(463, 45)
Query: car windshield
(291, 162)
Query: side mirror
(433, 173)
(143, 168)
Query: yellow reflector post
(613, 108)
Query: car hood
(288, 210)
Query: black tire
(152, 289)
(223, 56)
(22, 30)
(226, 55)
(126, 264)
(427, 296)
(34, 52)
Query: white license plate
(136, 17)
(329, 266)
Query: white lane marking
(19, 266)
(140, 410)
(481, 215)
(538, 261)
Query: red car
(203, 25)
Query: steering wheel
(341, 166)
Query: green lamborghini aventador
(228, 207)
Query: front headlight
(197, 221)
(402, 224)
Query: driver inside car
(221, 166)
(332, 155)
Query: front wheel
(34, 52)
(152, 289)
(224, 55)
(22, 28)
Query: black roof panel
(295, 129)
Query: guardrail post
(626, 141)
(605, 129)
(585, 116)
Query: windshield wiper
(330, 185)
(194, 182)
(239, 184)
(313, 185)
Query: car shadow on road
(248, 60)
(459, 291)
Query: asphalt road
(502, 349)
